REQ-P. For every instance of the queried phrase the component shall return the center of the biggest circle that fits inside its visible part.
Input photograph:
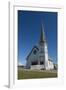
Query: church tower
(43, 51)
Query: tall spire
(42, 34)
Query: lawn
(29, 74)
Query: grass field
(29, 74)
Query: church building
(38, 57)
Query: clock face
(35, 52)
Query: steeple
(42, 34)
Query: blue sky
(29, 27)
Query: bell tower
(43, 51)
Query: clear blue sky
(29, 27)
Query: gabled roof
(32, 50)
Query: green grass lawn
(29, 74)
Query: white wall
(31, 58)
(50, 65)
(37, 67)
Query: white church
(38, 57)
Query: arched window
(34, 52)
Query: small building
(38, 57)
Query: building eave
(31, 51)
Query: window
(41, 62)
(34, 51)
(34, 63)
